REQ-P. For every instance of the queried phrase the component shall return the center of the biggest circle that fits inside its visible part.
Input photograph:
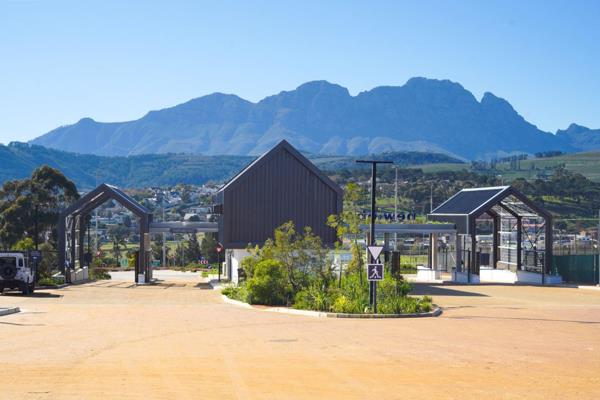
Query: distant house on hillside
(280, 186)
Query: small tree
(347, 224)
(157, 247)
(268, 285)
(49, 261)
(192, 249)
(25, 244)
(301, 254)
(208, 248)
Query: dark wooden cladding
(280, 186)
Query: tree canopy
(30, 207)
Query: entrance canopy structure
(521, 234)
(433, 231)
(71, 228)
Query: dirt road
(112, 340)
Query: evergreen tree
(30, 207)
(192, 249)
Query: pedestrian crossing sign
(375, 272)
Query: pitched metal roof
(466, 206)
(101, 194)
(283, 145)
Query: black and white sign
(36, 255)
(375, 272)
(375, 251)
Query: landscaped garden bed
(294, 271)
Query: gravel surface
(113, 340)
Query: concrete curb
(236, 302)
(588, 287)
(216, 285)
(319, 314)
(7, 311)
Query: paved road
(113, 340)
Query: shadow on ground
(436, 290)
(40, 295)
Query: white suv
(17, 271)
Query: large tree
(30, 207)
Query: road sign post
(373, 284)
(219, 249)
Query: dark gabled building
(281, 185)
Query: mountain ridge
(323, 118)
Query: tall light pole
(373, 284)
(396, 207)
(164, 234)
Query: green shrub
(98, 273)
(426, 304)
(268, 284)
(248, 264)
(344, 305)
(236, 292)
(315, 297)
(50, 281)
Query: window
(8, 261)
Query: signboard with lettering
(389, 216)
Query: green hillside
(20, 159)
(401, 158)
(587, 164)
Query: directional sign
(375, 272)
(375, 251)
(36, 254)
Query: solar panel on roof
(467, 201)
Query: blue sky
(116, 60)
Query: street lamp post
(373, 284)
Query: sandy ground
(112, 340)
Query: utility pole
(431, 198)
(373, 284)
(96, 222)
(396, 207)
(164, 234)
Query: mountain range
(323, 118)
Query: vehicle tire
(1, 289)
(8, 271)
(24, 288)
